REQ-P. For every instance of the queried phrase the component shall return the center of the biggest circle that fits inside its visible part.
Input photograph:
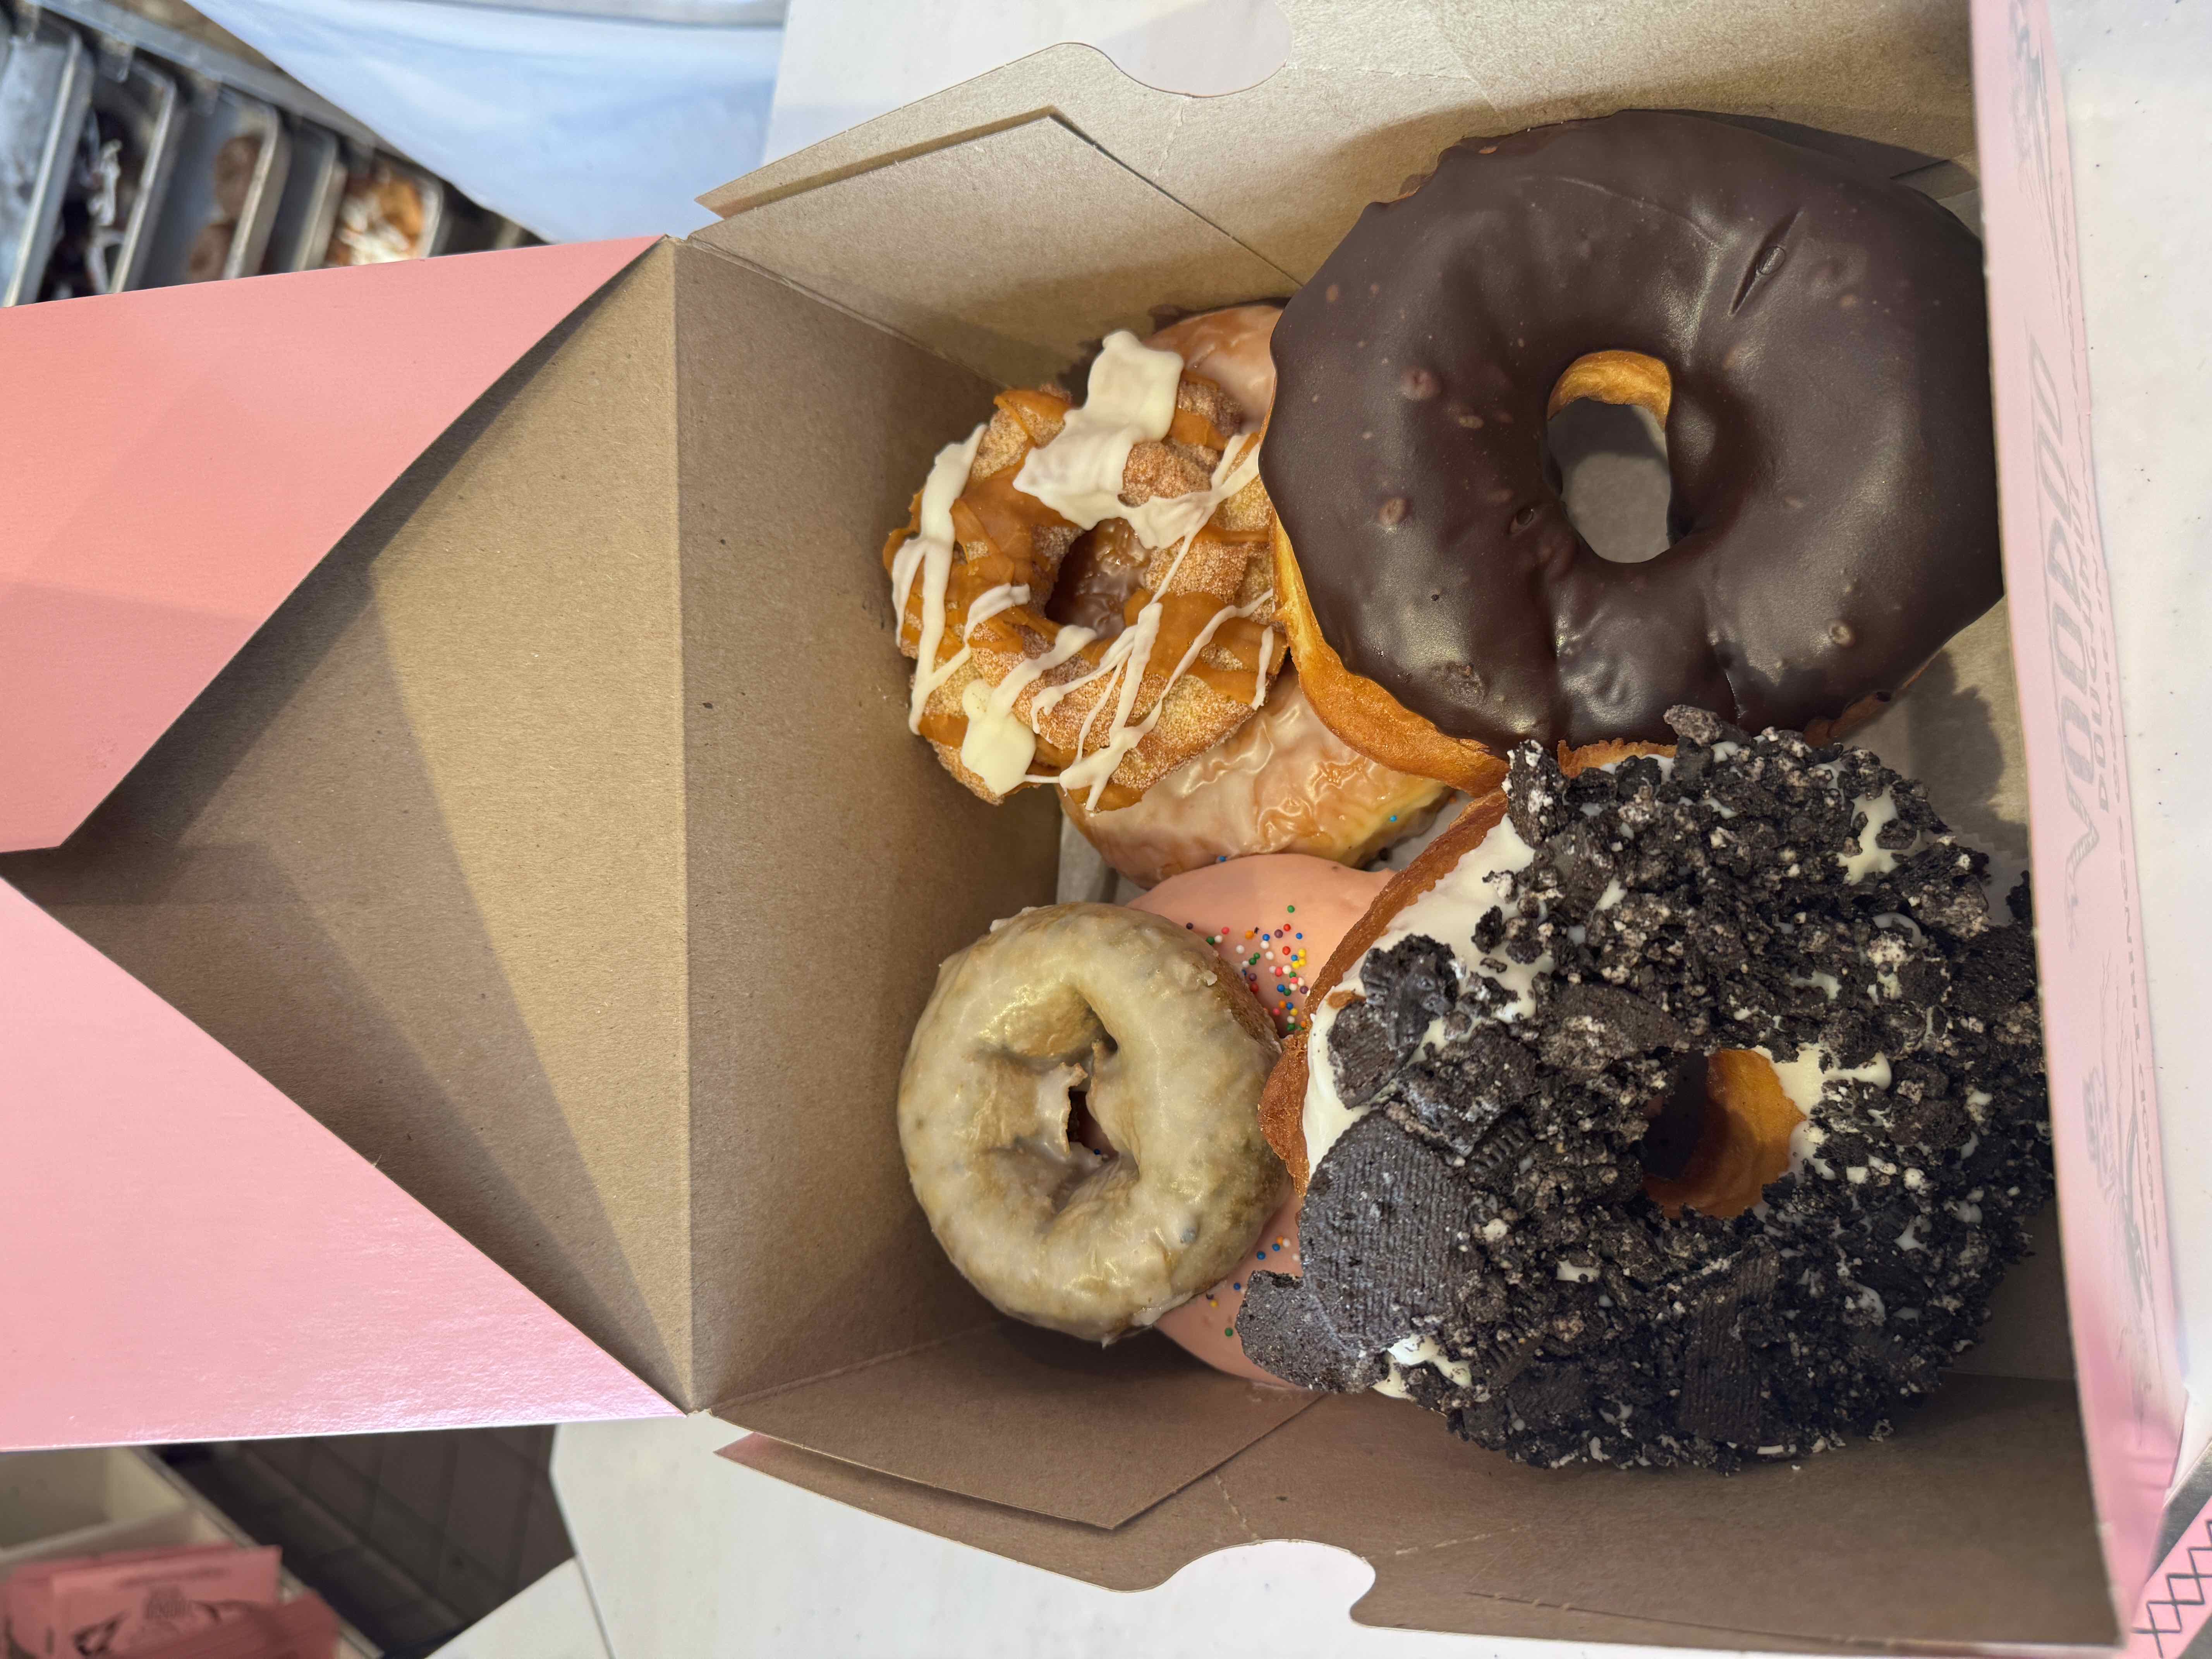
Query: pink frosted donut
(1275, 918)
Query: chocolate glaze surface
(1834, 507)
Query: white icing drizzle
(991, 602)
(1071, 639)
(996, 747)
(1097, 769)
(929, 551)
(1130, 397)
(1129, 655)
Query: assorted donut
(1525, 1005)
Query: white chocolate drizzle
(1130, 397)
(992, 602)
(929, 551)
(1128, 654)
(998, 746)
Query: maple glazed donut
(1087, 588)
(1171, 1053)
(1812, 338)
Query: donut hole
(1719, 1136)
(1605, 453)
(1084, 1129)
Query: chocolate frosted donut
(1813, 339)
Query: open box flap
(1982, 1505)
(1121, 247)
(510, 834)
(190, 455)
(417, 855)
(1155, 1545)
(1104, 1433)
(832, 865)
(1374, 89)
(185, 1256)
(979, 206)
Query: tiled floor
(412, 1537)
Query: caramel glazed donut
(1100, 663)
(1811, 339)
(1173, 1052)
(1083, 603)
(1665, 1111)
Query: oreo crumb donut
(1502, 1101)
(1092, 1218)
(1812, 339)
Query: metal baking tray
(215, 116)
(119, 173)
(307, 212)
(45, 86)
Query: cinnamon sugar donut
(1281, 783)
(1088, 589)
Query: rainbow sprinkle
(1273, 963)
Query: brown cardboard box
(559, 844)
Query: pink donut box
(466, 888)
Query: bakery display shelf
(134, 155)
(45, 86)
(307, 209)
(223, 196)
(119, 169)
(128, 32)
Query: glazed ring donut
(1281, 783)
(1687, 1113)
(1173, 1052)
(1812, 338)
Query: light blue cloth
(577, 127)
